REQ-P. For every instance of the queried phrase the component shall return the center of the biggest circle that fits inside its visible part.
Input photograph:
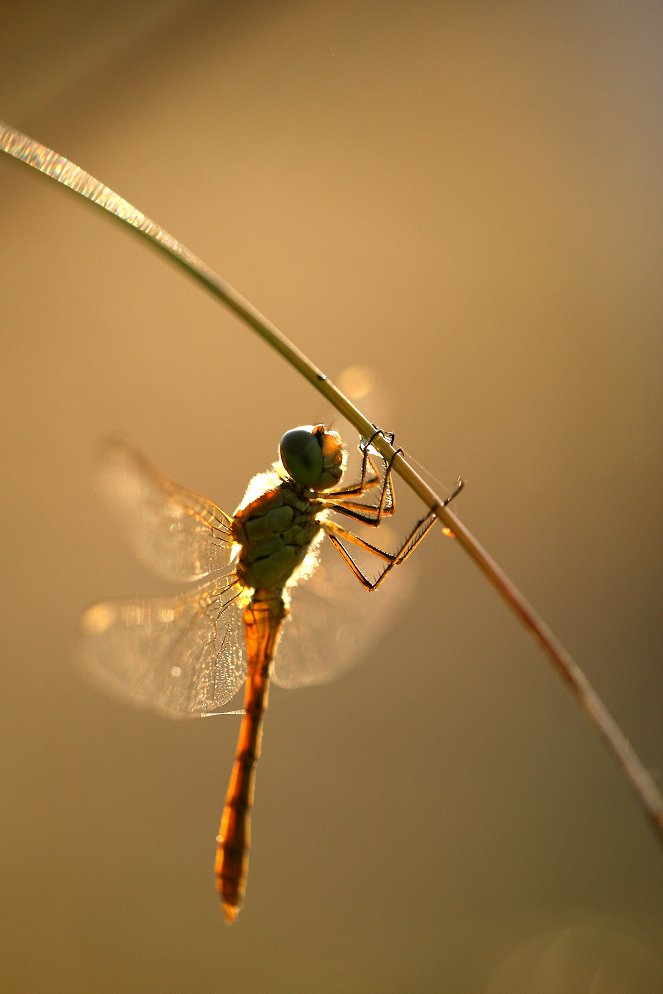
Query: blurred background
(465, 199)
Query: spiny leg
(336, 532)
(369, 514)
(366, 481)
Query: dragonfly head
(313, 456)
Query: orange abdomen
(263, 619)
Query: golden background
(466, 199)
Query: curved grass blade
(57, 167)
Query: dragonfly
(188, 655)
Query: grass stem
(49, 163)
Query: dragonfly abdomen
(263, 620)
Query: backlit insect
(185, 655)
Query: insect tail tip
(230, 912)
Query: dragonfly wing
(175, 532)
(333, 622)
(180, 656)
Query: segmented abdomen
(263, 620)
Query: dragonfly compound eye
(313, 456)
(301, 455)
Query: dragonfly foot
(365, 443)
(454, 493)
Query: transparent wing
(333, 622)
(177, 533)
(181, 656)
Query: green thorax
(275, 532)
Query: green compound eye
(301, 456)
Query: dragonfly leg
(368, 478)
(369, 514)
(338, 535)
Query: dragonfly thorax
(274, 533)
